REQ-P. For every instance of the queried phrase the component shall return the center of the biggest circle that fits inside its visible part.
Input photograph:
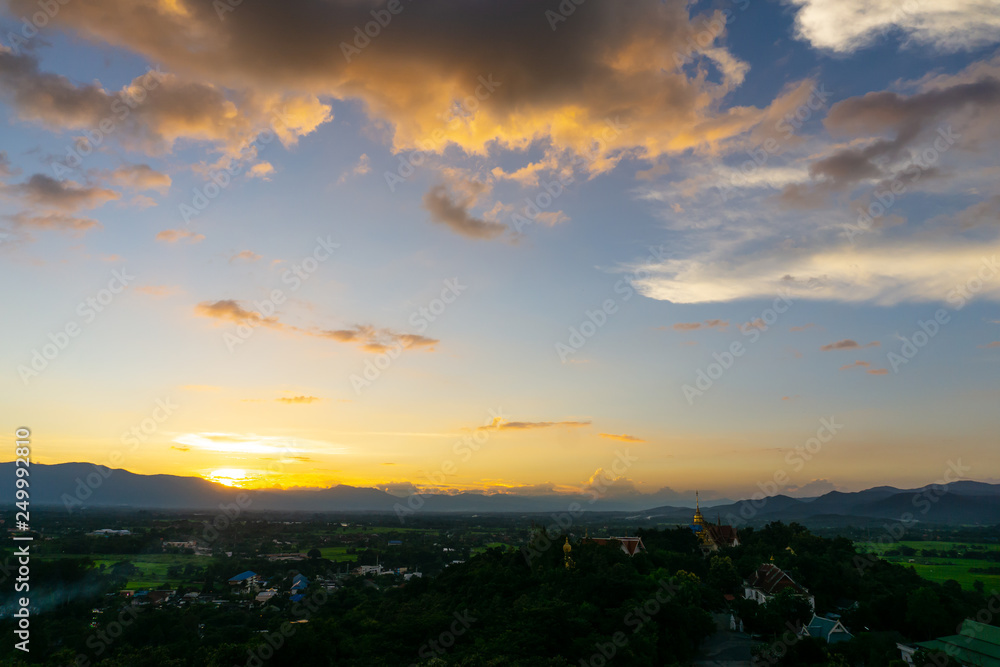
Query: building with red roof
(630, 545)
(768, 581)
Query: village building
(830, 630)
(768, 581)
(975, 645)
(249, 580)
(191, 544)
(630, 545)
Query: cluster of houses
(379, 570)
(255, 582)
(768, 581)
(187, 545)
(257, 585)
(249, 583)
(764, 584)
(157, 598)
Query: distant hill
(964, 502)
(79, 485)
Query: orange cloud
(67, 196)
(604, 84)
(261, 170)
(155, 110)
(623, 437)
(298, 400)
(54, 221)
(847, 344)
(231, 311)
(707, 324)
(362, 167)
(856, 364)
(175, 235)
(138, 177)
(499, 425)
(377, 341)
(451, 206)
(878, 371)
(803, 327)
(368, 338)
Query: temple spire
(699, 520)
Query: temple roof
(771, 579)
(722, 534)
(630, 545)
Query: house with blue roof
(249, 580)
(299, 583)
(830, 630)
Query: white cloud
(884, 274)
(848, 25)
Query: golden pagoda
(699, 520)
(567, 559)
(712, 537)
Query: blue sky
(656, 234)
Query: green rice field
(938, 569)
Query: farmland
(929, 561)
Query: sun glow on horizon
(236, 477)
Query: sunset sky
(496, 245)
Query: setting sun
(229, 476)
